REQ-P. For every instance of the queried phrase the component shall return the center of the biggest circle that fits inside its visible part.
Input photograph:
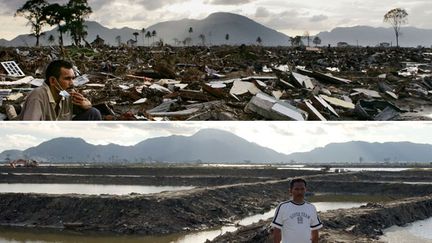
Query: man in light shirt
(296, 221)
(54, 100)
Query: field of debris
(248, 191)
(235, 82)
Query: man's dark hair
(54, 67)
(295, 180)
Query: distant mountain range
(217, 146)
(370, 36)
(241, 30)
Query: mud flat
(364, 224)
(264, 171)
(163, 176)
(196, 209)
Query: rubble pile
(234, 82)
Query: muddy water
(88, 189)
(33, 236)
(419, 231)
(353, 169)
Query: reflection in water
(89, 189)
(419, 231)
(31, 236)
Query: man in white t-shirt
(296, 221)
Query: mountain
(241, 30)
(357, 151)
(371, 36)
(217, 146)
(208, 145)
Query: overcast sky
(284, 137)
(287, 16)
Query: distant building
(98, 42)
(384, 44)
(313, 49)
(342, 44)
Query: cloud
(227, 2)
(262, 13)
(318, 18)
(153, 5)
(153, 128)
(318, 131)
(281, 130)
(17, 141)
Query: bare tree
(32, 10)
(396, 17)
(143, 32)
(306, 35)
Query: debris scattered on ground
(236, 82)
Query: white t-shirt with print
(296, 221)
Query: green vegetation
(68, 18)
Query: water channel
(419, 231)
(88, 189)
(13, 235)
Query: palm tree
(153, 35)
(148, 36)
(259, 40)
(143, 31)
(190, 33)
(136, 34)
